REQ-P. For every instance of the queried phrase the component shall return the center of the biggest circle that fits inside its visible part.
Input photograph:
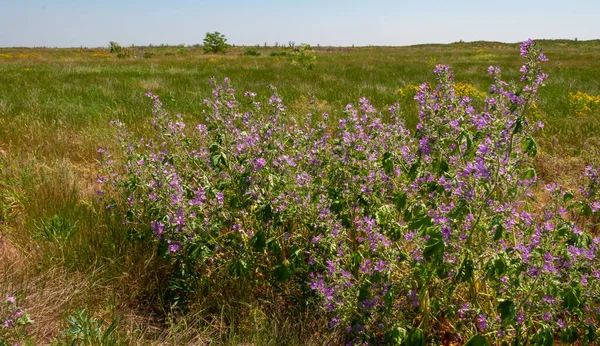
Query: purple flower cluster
(392, 230)
(12, 319)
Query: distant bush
(403, 238)
(304, 56)
(148, 55)
(117, 49)
(251, 52)
(114, 47)
(278, 54)
(215, 42)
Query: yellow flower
(468, 90)
(29, 55)
(583, 103)
(409, 90)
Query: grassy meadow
(63, 254)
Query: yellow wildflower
(468, 90)
(409, 90)
(582, 103)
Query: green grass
(55, 108)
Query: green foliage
(85, 330)
(114, 47)
(251, 52)
(118, 50)
(478, 340)
(215, 42)
(62, 135)
(304, 56)
(56, 230)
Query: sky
(93, 23)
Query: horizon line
(286, 45)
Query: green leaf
(442, 167)
(388, 163)
(496, 267)
(507, 310)
(399, 200)
(529, 173)
(163, 249)
(543, 338)
(238, 268)
(364, 292)
(567, 196)
(466, 137)
(274, 246)
(529, 146)
(434, 248)
(499, 228)
(412, 173)
(590, 335)
(569, 335)
(396, 336)
(465, 272)
(572, 296)
(518, 125)
(415, 338)
(258, 241)
(478, 340)
(283, 272)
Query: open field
(60, 251)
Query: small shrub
(304, 56)
(251, 52)
(215, 42)
(148, 55)
(114, 47)
(84, 329)
(56, 230)
(277, 54)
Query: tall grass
(61, 252)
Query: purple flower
(174, 247)
(547, 316)
(259, 164)
(219, 196)
(482, 322)
(595, 206)
(525, 46)
(157, 227)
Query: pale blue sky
(74, 23)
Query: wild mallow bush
(431, 236)
(12, 321)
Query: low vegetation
(462, 213)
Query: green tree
(215, 42)
(304, 56)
